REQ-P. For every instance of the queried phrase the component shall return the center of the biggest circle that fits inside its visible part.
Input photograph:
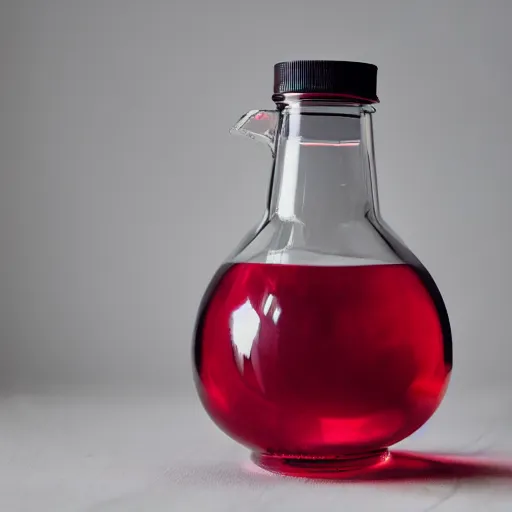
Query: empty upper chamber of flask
(321, 203)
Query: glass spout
(259, 125)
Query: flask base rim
(311, 466)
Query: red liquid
(320, 361)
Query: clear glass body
(322, 340)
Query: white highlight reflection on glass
(268, 303)
(276, 314)
(245, 326)
(286, 203)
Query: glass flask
(322, 340)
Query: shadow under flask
(322, 340)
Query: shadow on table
(414, 466)
(418, 466)
(400, 467)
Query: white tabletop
(64, 453)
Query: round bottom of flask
(305, 466)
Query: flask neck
(324, 172)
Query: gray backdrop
(121, 190)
